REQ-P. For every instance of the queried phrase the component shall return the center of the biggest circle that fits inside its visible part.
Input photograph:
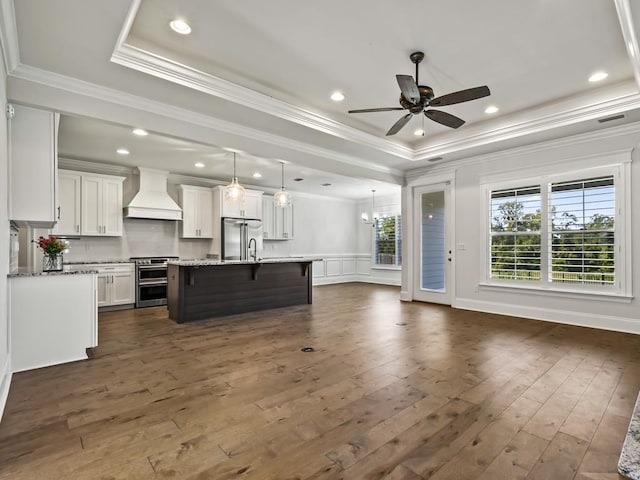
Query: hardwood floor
(393, 390)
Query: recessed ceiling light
(598, 76)
(199, 164)
(257, 175)
(122, 151)
(419, 133)
(140, 132)
(180, 26)
(491, 109)
(337, 96)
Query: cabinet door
(33, 167)
(189, 213)
(103, 289)
(123, 288)
(68, 204)
(268, 219)
(287, 222)
(252, 205)
(91, 210)
(205, 213)
(230, 209)
(112, 207)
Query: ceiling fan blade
(461, 96)
(444, 118)
(367, 110)
(408, 88)
(399, 124)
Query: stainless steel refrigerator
(237, 236)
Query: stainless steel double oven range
(151, 280)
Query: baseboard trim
(354, 278)
(80, 356)
(5, 384)
(602, 322)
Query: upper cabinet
(101, 205)
(277, 222)
(197, 211)
(68, 210)
(250, 208)
(33, 167)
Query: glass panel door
(433, 253)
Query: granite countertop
(34, 272)
(96, 262)
(202, 263)
(629, 463)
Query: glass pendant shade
(234, 192)
(282, 199)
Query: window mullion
(545, 234)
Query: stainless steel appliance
(237, 236)
(14, 249)
(151, 280)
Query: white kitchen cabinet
(116, 283)
(54, 319)
(33, 167)
(197, 211)
(101, 206)
(68, 203)
(277, 222)
(250, 208)
(268, 218)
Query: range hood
(152, 200)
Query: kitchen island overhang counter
(200, 289)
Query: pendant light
(365, 216)
(282, 199)
(234, 192)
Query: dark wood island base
(199, 290)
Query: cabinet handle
(58, 213)
(77, 228)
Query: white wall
(5, 359)
(565, 155)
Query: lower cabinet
(116, 284)
(53, 319)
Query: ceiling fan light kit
(417, 98)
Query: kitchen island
(199, 289)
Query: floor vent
(308, 349)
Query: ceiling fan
(417, 98)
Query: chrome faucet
(253, 255)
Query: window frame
(384, 266)
(622, 287)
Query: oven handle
(157, 266)
(159, 281)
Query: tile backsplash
(141, 237)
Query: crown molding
(118, 97)
(9, 35)
(631, 128)
(625, 18)
(80, 165)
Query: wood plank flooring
(402, 391)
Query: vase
(52, 262)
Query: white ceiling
(256, 76)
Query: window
(561, 232)
(583, 231)
(515, 233)
(388, 241)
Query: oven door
(151, 293)
(150, 273)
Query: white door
(68, 204)
(91, 206)
(103, 289)
(433, 251)
(112, 207)
(205, 213)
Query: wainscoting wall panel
(351, 268)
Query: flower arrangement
(51, 245)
